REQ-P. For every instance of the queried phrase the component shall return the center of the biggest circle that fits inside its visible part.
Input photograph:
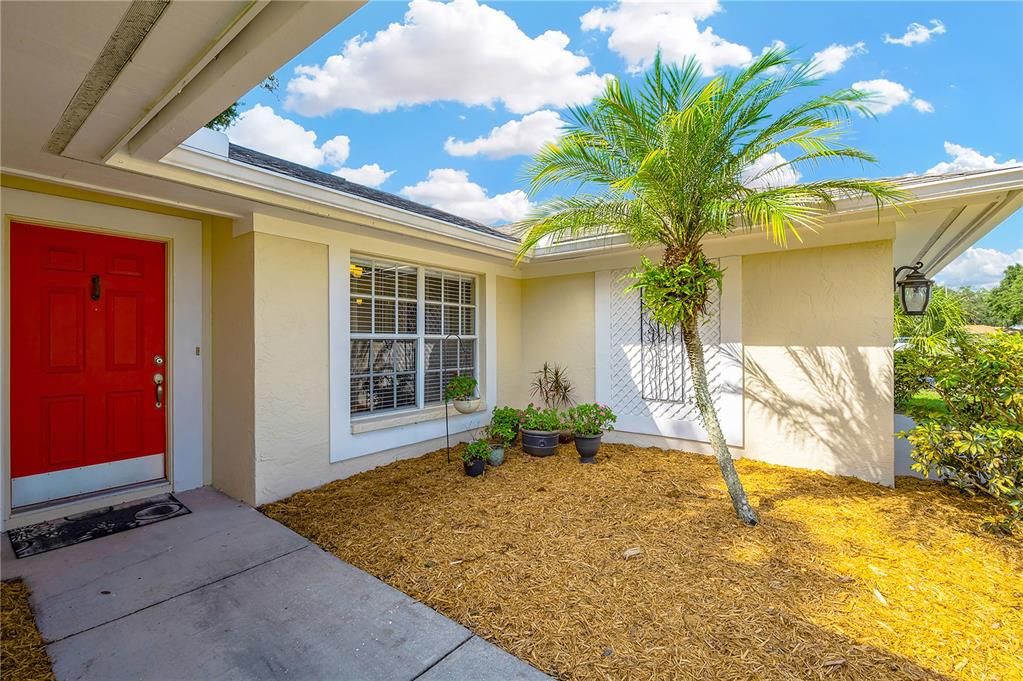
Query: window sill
(368, 424)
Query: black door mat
(81, 527)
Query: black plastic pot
(539, 442)
(587, 446)
(475, 467)
(566, 436)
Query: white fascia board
(962, 189)
(215, 173)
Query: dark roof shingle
(318, 177)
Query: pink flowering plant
(591, 419)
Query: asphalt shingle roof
(318, 177)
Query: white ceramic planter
(467, 406)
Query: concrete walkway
(227, 593)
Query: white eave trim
(261, 179)
(961, 188)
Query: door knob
(158, 380)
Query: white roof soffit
(998, 192)
(87, 80)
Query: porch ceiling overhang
(87, 81)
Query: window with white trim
(412, 329)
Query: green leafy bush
(506, 416)
(908, 379)
(591, 419)
(460, 387)
(500, 434)
(541, 419)
(476, 450)
(978, 445)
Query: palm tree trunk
(694, 351)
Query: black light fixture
(914, 289)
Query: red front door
(88, 342)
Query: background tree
(942, 325)
(976, 305)
(1006, 299)
(683, 158)
(228, 116)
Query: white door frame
(184, 240)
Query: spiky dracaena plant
(680, 159)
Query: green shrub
(591, 419)
(476, 450)
(460, 387)
(541, 419)
(978, 445)
(500, 434)
(506, 416)
(908, 377)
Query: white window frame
(421, 337)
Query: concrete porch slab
(305, 615)
(82, 586)
(479, 660)
(227, 593)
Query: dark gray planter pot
(539, 442)
(587, 446)
(475, 467)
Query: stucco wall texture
(816, 329)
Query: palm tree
(679, 160)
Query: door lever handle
(158, 380)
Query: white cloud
(916, 33)
(452, 191)
(833, 57)
(370, 175)
(459, 51)
(765, 172)
(261, 129)
(888, 94)
(923, 106)
(965, 158)
(979, 267)
(519, 137)
(638, 28)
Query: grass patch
(22, 653)
(926, 403)
(636, 568)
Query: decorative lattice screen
(649, 376)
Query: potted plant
(462, 391)
(540, 430)
(500, 436)
(510, 417)
(590, 421)
(552, 386)
(474, 457)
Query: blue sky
(443, 102)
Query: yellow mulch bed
(22, 653)
(841, 580)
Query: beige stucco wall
(510, 375)
(232, 411)
(294, 443)
(817, 331)
(557, 326)
(292, 392)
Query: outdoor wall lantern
(914, 289)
